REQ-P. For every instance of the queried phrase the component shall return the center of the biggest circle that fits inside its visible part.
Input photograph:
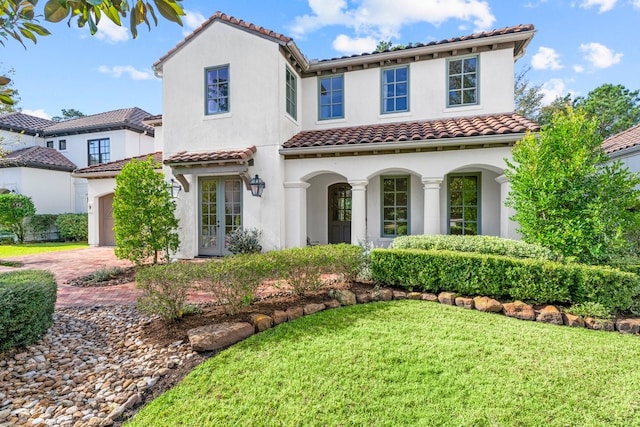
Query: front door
(220, 213)
(107, 235)
(340, 213)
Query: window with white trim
(331, 97)
(395, 89)
(291, 94)
(462, 82)
(217, 90)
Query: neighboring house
(366, 147)
(86, 141)
(625, 146)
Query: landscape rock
(294, 313)
(414, 295)
(312, 308)
(464, 302)
(628, 326)
(345, 296)
(363, 297)
(279, 317)
(332, 304)
(399, 295)
(572, 320)
(447, 298)
(519, 310)
(599, 324)
(488, 305)
(427, 296)
(261, 322)
(385, 294)
(550, 314)
(220, 335)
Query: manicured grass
(411, 363)
(36, 248)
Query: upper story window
(395, 206)
(99, 151)
(331, 97)
(291, 94)
(217, 87)
(462, 83)
(49, 144)
(395, 89)
(62, 144)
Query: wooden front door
(107, 235)
(340, 213)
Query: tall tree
(143, 210)
(615, 108)
(528, 97)
(559, 105)
(69, 114)
(14, 209)
(566, 194)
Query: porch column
(507, 227)
(358, 211)
(431, 186)
(295, 215)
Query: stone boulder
(572, 320)
(599, 324)
(363, 298)
(448, 298)
(399, 295)
(487, 304)
(414, 295)
(345, 296)
(332, 304)
(427, 296)
(279, 317)
(464, 302)
(215, 337)
(313, 308)
(519, 310)
(294, 312)
(628, 326)
(261, 322)
(550, 314)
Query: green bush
(165, 289)
(589, 309)
(27, 302)
(244, 241)
(42, 226)
(536, 281)
(480, 244)
(73, 227)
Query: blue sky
(578, 46)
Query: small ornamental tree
(145, 223)
(568, 196)
(14, 209)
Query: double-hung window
(62, 144)
(395, 205)
(291, 94)
(464, 204)
(331, 97)
(217, 90)
(462, 86)
(395, 89)
(99, 151)
(49, 144)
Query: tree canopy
(527, 97)
(615, 107)
(69, 114)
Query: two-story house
(42, 154)
(366, 147)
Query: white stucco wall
(96, 189)
(40, 184)
(11, 141)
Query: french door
(340, 213)
(220, 201)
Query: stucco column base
(358, 211)
(295, 196)
(431, 186)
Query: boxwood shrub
(73, 226)
(480, 244)
(532, 280)
(27, 302)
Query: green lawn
(411, 363)
(36, 248)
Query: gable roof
(111, 169)
(389, 136)
(38, 158)
(20, 122)
(622, 141)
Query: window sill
(395, 115)
(331, 121)
(216, 116)
(474, 107)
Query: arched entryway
(339, 202)
(107, 235)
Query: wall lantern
(174, 188)
(257, 186)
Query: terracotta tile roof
(38, 158)
(623, 140)
(115, 166)
(480, 35)
(240, 154)
(130, 118)
(223, 17)
(19, 122)
(500, 124)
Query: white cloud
(192, 20)
(110, 32)
(383, 19)
(604, 5)
(578, 68)
(546, 59)
(599, 55)
(38, 113)
(552, 89)
(635, 3)
(349, 46)
(120, 70)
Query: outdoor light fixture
(174, 188)
(257, 186)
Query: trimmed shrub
(27, 302)
(536, 281)
(42, 226)
(244, 241)
(73, 227)
(165, 288)
(479, 244)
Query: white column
(295, 197)
(431, 205)
(507, 227)
(358, 211)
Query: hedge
(27, 302)
(73, 227)
(532, 280)
(479, 244)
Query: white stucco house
(366, 147)
(42, 154)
